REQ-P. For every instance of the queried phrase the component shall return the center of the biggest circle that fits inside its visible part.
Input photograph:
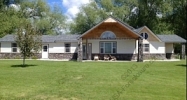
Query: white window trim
(108, 32)
(146, 47)
(144, 35)
(65, 48)
(104, 47)
(14, 47)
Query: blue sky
(69, 7)
(57, 2)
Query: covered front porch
(113, 38)
(121, 49)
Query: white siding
(126, 46)
(6, 47)
(154, 46)
(169, 48)
(59, 47)
(95, 45)
(157, 47)
(74, 46)
(123, 46)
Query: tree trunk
(24, 60)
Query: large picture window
(108, 47)
(146, 47)
(14, 47)
(67, 47)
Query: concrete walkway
(94, 60)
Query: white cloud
(72, 7)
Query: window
(45, 47)
(144, 35)
(108, 47)
(146, 47)
(108, 34)
(67, 47)
(14, 47)
(0, 47)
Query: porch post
(79, 51)
(86, 49)
(183, 51)
(140, 50)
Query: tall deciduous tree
(48, 20)
(28, 39)
(89, 16)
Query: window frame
(146, 47)
(14, 47)
(66, 48)
(143, 35)
(107, 34)
(113, 48)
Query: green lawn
(92, 80)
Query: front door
(89, 51)
(45, 51)
(84, 51)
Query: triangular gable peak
(109, 20)
(120, 29)
(151, 35)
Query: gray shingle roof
(45, 38)
(7, 38)
(65, 37)
(171, 38)
(138, 29)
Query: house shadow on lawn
(182, 65)
(23, 66)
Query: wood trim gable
(113, 20)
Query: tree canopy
(38, 12)
(161, 16)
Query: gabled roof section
(112, 19)
(46, 38)
(171, 38)
(138, 29)
(141, 28)
(7, 38)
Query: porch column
(86, 49)
(183, 51)
(140, 50)
(79, 51)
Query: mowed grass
(49, 80)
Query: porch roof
(171, 38)
(46, 38)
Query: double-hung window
(108, 47)
(146, 47)
(67, 47)
(14, 47)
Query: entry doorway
(87, 55)
(45, 51)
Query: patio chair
(96, 57)
(113, 58)
(106, 57)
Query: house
(109, 37)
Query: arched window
(108, 34)
(144, 35)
